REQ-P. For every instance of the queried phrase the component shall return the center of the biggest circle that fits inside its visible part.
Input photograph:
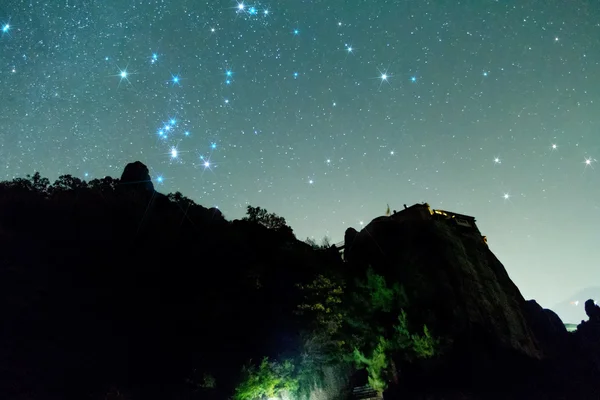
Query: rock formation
(457, 287)
(136, 175)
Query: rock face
(454, 284)
(136, 175)
(548, 329)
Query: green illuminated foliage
(268, 380)
(412, 345)
(376, 365)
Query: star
(186, 133)
(384, 77)
(296, 32)
(413, 79)
(497, 160)
(349, 49)
(554, 146)
(124, 75)
(241, 6)
(485, 73)
(174, 152)
(213, 145)
(159, 179)
(175, 79)
(310, 181)
(5, 28)
(252, 11)
(506, 196)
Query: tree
(269, 220)
(267, 380)
(67, 183)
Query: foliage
(269, 379)
(375, 365)
(67, 182)
(208, 381)
(412, 345)
(269, 220)
(325, 243)
(322, 305)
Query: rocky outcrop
(548, 329)
(455, 285)
(136, 175)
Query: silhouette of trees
(269, 220)
(151, 287)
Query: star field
(325, 111)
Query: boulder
(137, 176)
(548, 328)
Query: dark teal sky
(481, 99)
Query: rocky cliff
(458, 288)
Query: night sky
(326, 111)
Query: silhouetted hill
(111, 290)
(571, 309)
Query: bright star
(392, 153)
(554, 147)
(266, 12)
(175, 79)
(485, 73)
(186, 133)
(497, 160)
(328, 161)
(159, 179)
(588, 162)
(413, 79)
(349, 49)
(228, 73)
(167, 128)
(174, 152)
(384, 77)
(5, 28)
(295, 74)
(241, 6)
(206, 164)
(506, 196)
(172, 121)
(124, 75)
(310, 181)
(296, 31)
(252, 11)
(213, 146)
